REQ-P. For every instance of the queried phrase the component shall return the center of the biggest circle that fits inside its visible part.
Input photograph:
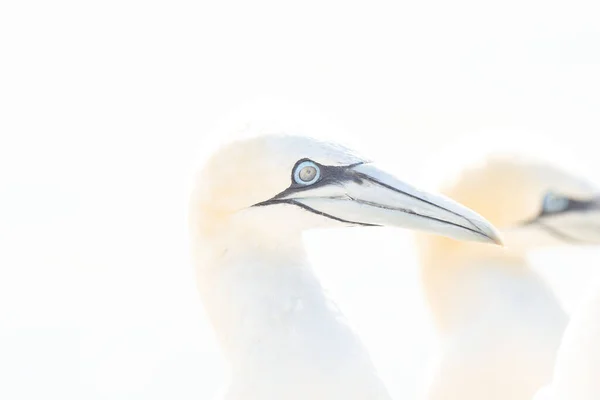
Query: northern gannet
(498, 322)
(283, 338)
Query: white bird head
(265, 189)
(532, 202)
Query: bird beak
(365, 195)
(579, 223)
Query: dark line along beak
(362, 194)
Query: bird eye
(307, 173)
(555, 203)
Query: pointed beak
(366, 195)
(578, 223)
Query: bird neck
(264, 301)
(578, 361)
(453, 274)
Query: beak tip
(490, 234)
(499, 241)
(494, 237)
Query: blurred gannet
(577, 369)
(498, 322)
(252, 200)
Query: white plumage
(577, 370)
(498, 323)
(283, 338)
(506, 328)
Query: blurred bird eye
(555, 203)
(307, 173)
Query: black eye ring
(306, 173)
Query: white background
(106, 106)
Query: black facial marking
(330, 175)
(558, 234)
(312, 210)
(572, 205)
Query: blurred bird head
(263, 190)
(533, 203)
